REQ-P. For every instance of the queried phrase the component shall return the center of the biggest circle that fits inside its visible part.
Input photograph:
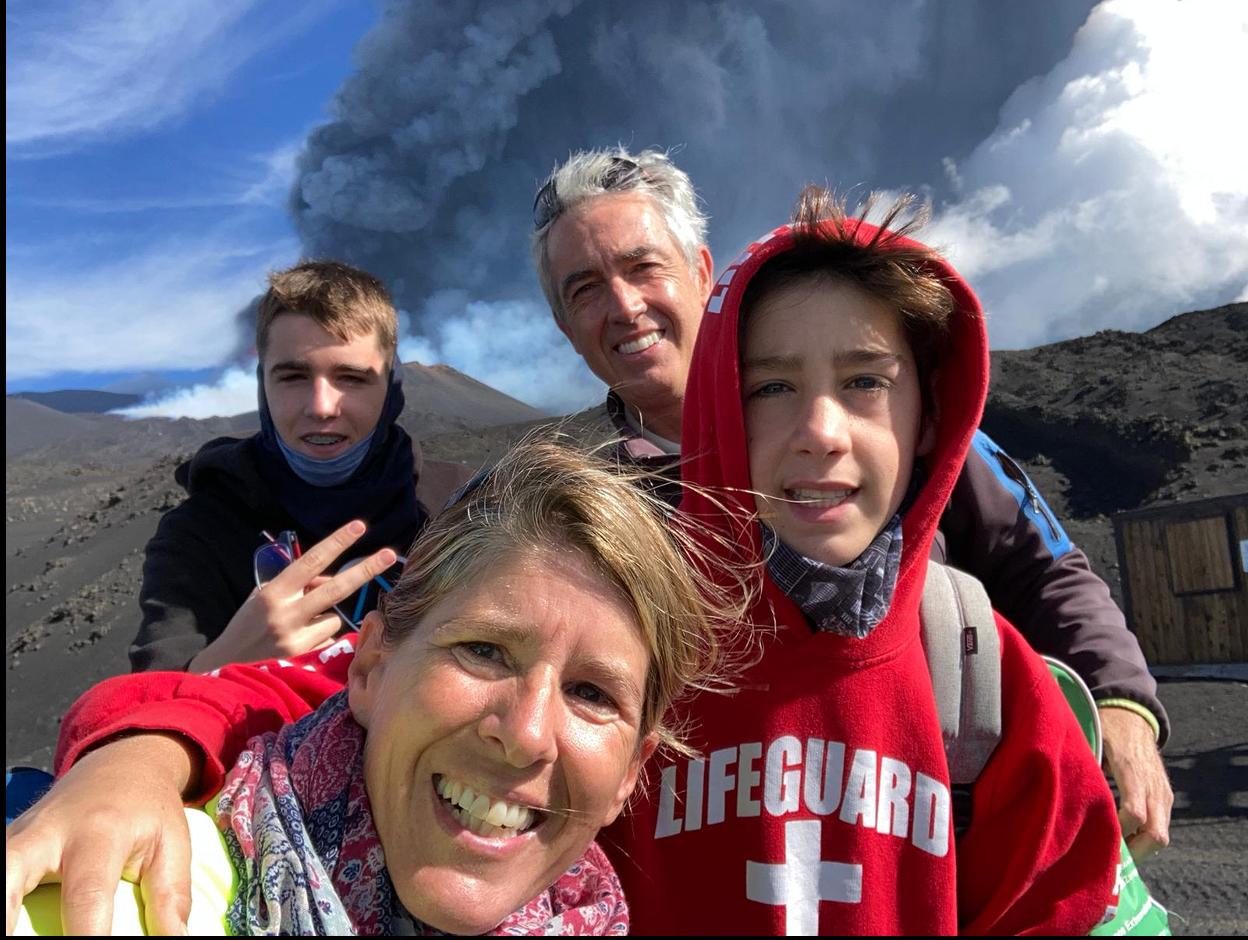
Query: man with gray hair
(620, 249)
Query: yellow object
(213, 884)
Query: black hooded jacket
(198, 569)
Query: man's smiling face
(631, 302)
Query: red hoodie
(821, 800)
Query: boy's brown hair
(343, 300)
(895, 273)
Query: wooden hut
(1184, 571)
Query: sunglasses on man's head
(546, 205)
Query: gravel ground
(1201, 876)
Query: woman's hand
(288, 615)
(116, 814)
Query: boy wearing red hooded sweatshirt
(838, 379)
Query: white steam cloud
(1112, 193)
(233, 393)
(513, 346)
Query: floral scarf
(299, 829)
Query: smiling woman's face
(503, 732)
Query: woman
(498, 711)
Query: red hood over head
(713, 428)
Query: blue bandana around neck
(849, 600)
(329, 472)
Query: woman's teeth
(637, 345)
(820, 498)
(483, 815)
(323, 438)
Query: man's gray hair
(588, 174)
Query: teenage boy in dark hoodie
(330, 450)
(830, 406)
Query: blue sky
(150, 154)
(1082, 159)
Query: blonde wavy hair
(547, 495)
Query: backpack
(963, 650)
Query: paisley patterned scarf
(299, 829)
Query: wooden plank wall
(1187, 593)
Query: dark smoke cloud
(426, 173)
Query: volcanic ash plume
(426, 173)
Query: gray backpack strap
(964, 656)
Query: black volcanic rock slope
(1131, 419)
(1118, 421)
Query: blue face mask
(329, 472)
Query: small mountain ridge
(81, 400)
(29, 426)
(439, 400)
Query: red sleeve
(219, 712)
(1041, 854)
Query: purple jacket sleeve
(998, 528)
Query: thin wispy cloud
(81, 71)
(278, 169)
(172, 305)
(253, 180)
